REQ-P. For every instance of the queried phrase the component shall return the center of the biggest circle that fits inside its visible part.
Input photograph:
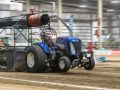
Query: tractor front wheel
(90, 64)
(64, 64)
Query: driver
(47, 39)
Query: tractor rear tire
(64, 64)
(35, 59)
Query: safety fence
(107, 55)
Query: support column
(59, 15)
(54, 7)
(100, 21)
(40, 6)
(91, 27)
(27, 6)
(119, 28)
(108, 24)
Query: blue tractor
(59, 55)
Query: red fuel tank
(37, 20)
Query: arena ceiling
(108, 5)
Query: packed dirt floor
(21, 87)
(105, 76)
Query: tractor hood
(73, 39)
(70, 39)
(71, 44)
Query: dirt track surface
(21, 87)
(105, 75)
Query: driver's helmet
(47, 39)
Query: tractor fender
(44, 46)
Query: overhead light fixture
(19, 1)
(110, 10)
(52, 2)
(83, 6)
(115, 1)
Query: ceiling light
(115, 2)
(19, 1)
(110, 10)
(83, 6)
(52, 2)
